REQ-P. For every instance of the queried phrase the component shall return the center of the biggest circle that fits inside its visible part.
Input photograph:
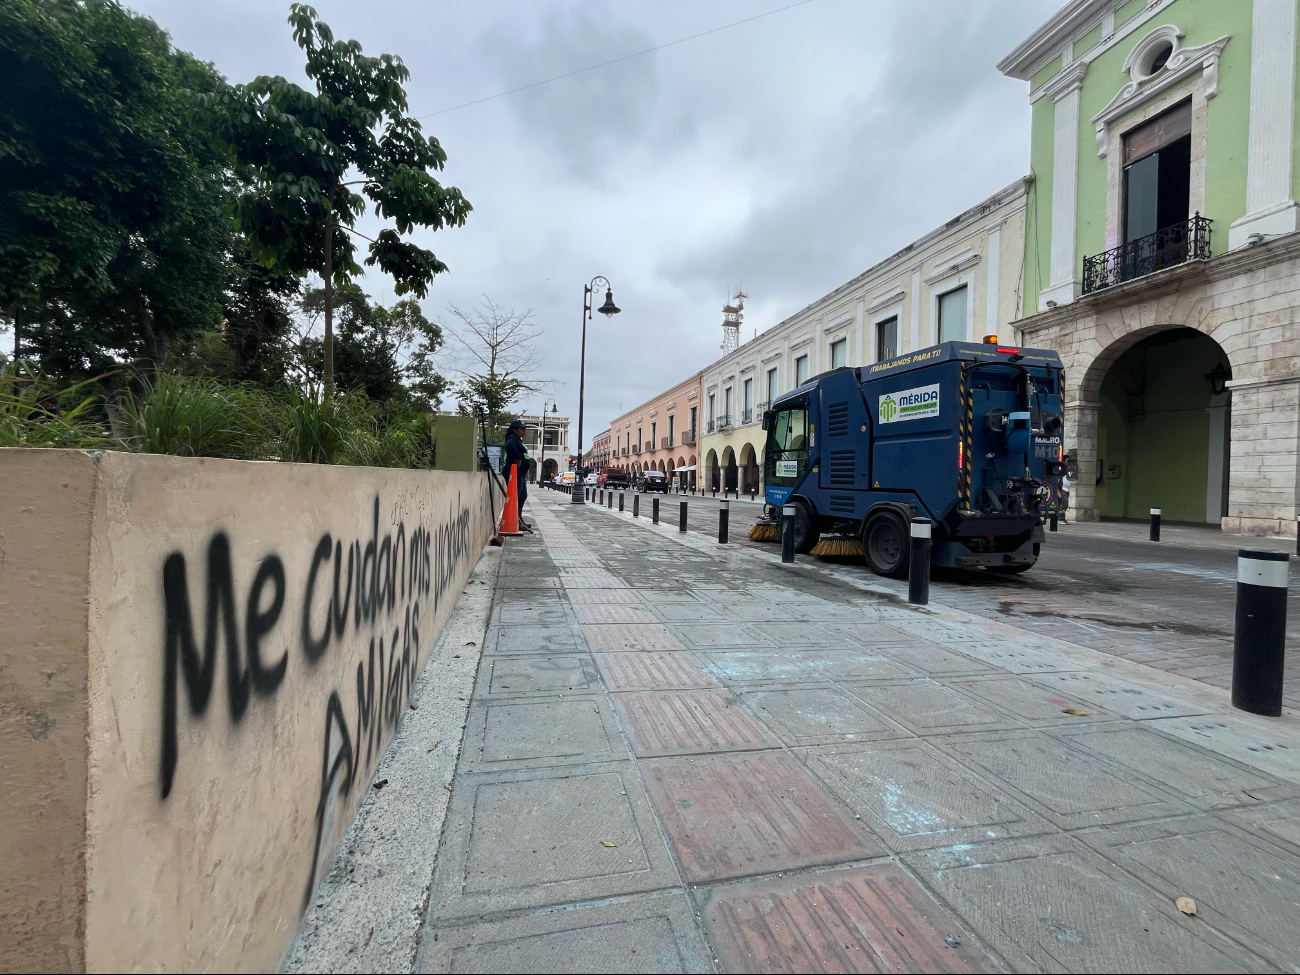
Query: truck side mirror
(768, 416)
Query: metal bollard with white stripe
(1259, 638)
(788, 514)
(918, 579)
(724, 515)
(1155, 524)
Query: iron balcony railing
(625, 451)
(762, 407)
(711, 426)
(636, 448)
(1167, 247)
(665, 442)
(724, 422)
(746, 416)
(688, 437)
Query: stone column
(1264, 457)
(1081, 438)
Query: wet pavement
(1167, 604)
(680, 757)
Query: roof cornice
(1075, 15)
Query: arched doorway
(730, 470)
(1163, 426)
(748, 469)
(549, 468)
(711, 471)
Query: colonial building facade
(600, 454)
(660, 434)
(960, 281)
(547, 445)
(1161, 253)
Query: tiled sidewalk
(675, 763)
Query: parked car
(614, 477)
(564, 479)
(655, 481)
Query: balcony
(666, 442)
(762, 407)
(746, 416)
(636, 448)
(1168, 247)
(625, 451)
(688, 437)
(724, 423)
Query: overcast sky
(789, 153)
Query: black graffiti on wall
(378, 597)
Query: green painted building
(1161, 252)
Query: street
(1106, 586)
(679, 757)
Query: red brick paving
(734, 815)
(873, 919)
(682, 722)
(652, 671)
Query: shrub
(193, 417)
(34, 413)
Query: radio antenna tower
(732, 315)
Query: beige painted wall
(215, 784)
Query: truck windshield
(786, 455)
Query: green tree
(114, 219)
(385, 352)
(497, 360)
(315, 162)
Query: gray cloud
(792, 152)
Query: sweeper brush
(837, 546)
(764, 532)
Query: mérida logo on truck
(968, 435)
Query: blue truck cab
(968, 435)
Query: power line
(625, 57)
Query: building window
(672, 428)
(694, 412)
(887, 339)
(638, 438)
(801, 370)
(771, 387)
(839, 353)
(748, 401)
(1158, 173)
(727, 404)
(952, 315)
(713, 413)
(654, 425)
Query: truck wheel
(886, 545)
(806, 536)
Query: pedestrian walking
(1066, 483)
(517, 453)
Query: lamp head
(609, 309)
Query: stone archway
(730, 470)
(749, 473)
(549, 468)
(711, 471)
(1144, 429)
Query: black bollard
(1297, 534)
(609, 499)
(1051, 522)
(918, 580)
(681, 517)
(1155, 524)
(654, 511)
(1259, 639)
(715, 491)
(636, 506)
(788, 512)
(620, 500)
(724, 515)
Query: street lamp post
(541, 465)
(609, 310)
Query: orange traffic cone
(510, 513)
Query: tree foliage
(114, 228)
(317, 161)
(498, 359)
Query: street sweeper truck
(967, 435)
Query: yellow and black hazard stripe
(966, 397)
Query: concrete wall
(201, 664)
